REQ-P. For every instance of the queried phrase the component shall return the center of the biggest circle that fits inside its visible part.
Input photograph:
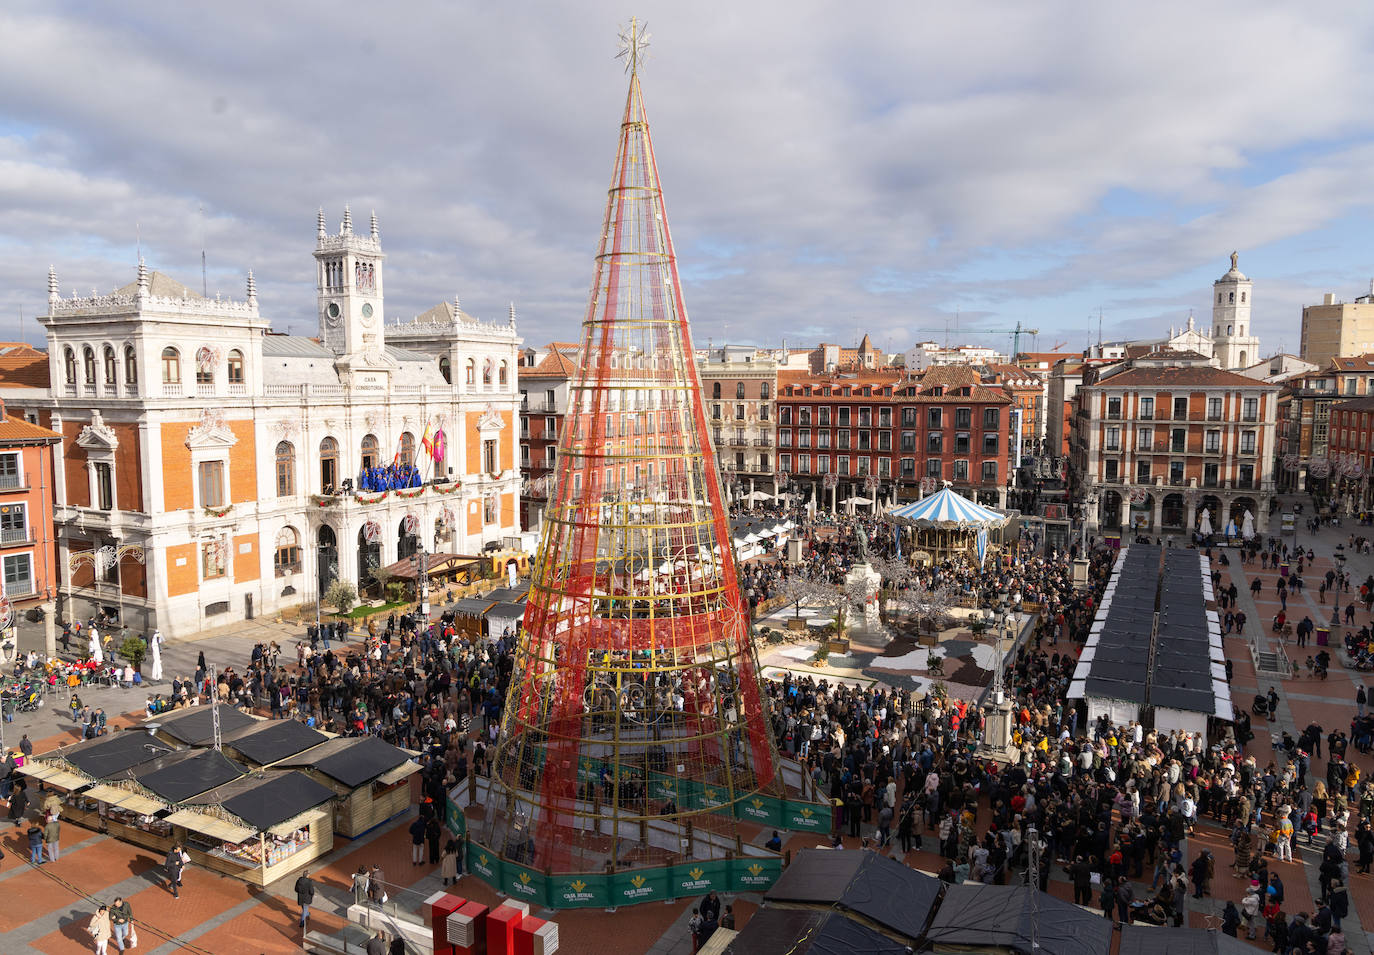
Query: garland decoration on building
(363, 497)
(219, 511)
(448, 488)
(410, 493)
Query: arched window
(369, 451)
(88, 364)
(205, 365)
(470, 376)
(1242, 296)
(1230, 296)
(288, 557)
(235, 367)
(446, 369)
(286, 469)
(501, 380)
(69, 363)
(111, 374)
(130, 366)
(326, 537)
(329, 465)
(486, 371)
(171, 366)
(407, 448)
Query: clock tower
(349, 268)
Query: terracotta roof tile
(23, 366)
(1202, 375)
(18, 431)
(554, 365)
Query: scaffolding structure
(635, 721)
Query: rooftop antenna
(21, 323)
(1099, 330)
(204, 284)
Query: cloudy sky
(829, 168)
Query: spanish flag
(426, 442)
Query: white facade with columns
(220, 461)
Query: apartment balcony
(14, 535)
(737, 441)
(14, 482)
(763, 442)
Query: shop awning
(399, 773)
(141, 804)
(106, 793)
(38, 770)
(211, 826)
(302, 821)
(55, 776)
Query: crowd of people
(1107, 808)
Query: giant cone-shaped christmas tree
(635, 719)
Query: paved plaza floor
(45, 909)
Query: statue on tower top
(1235, 256)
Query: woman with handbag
(99, 929)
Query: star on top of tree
(634, 45)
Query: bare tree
(929, 606)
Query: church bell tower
(1233, 346)
(349, 268)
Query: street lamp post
(424, 588)
(997, 732)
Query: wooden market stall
(83, 772)
(369, 776)
(258, 828)
(265, 742)
(504, 617)
(469, 617)
(194, 725)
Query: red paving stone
(391, 851)
(268, 929)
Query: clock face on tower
(367, 314)
(332, 313)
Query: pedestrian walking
(175, 865)
(305, 894)
(99, 929)
(35, 836)
(448, 863)
(52, 832)
(122, 924)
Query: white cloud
(804, 151)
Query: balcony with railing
(763, 442)
(14, 482)
(14, 535)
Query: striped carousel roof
(945, 508)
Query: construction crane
(1015, 334)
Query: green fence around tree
(648, 885)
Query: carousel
(946, 524)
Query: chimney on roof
(1329, 298)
